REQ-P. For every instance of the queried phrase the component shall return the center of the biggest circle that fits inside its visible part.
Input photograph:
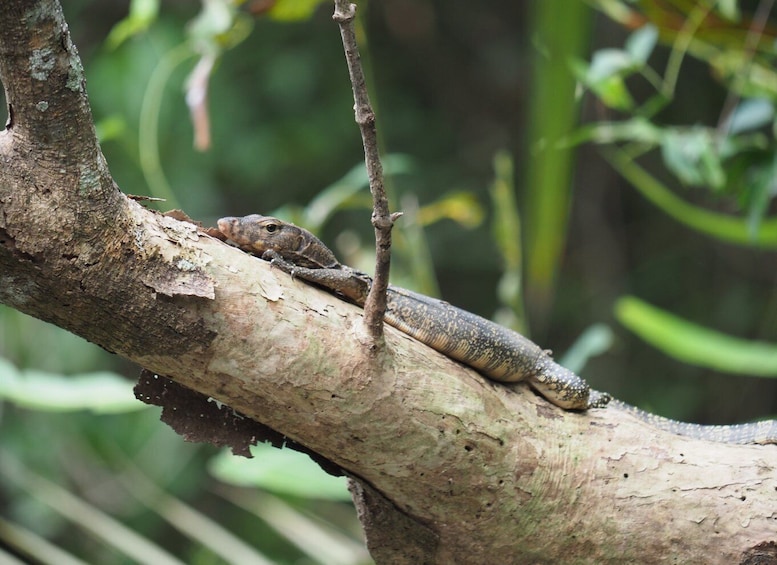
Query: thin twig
(382, 219)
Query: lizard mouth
(227, 225)
(234, 230)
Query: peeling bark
(448, 467)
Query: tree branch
(450, 467)
(382, 220)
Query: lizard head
(257, 234)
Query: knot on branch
(345, 12)
(365, 116)
(384, 222)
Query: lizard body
(495, 351)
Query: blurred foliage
(142, 13)
(553, 114)
(735, 159)
(594, 341)
(506, 231)
(725, 227)
(692, 343)
(229, 108)
(282, 471)
(292, 10)
(38, 390)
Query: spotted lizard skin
(764, 432)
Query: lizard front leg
(345, 281)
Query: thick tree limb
(449, 467)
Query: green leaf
(694, 344)
(751, 114)
(142, 13)
(218, 26)
(636, 129)
(691, 153)
(506, 231)
(594, 341)
(215, 18)
(460, 206)
(641, 43)
(604, 76)
(506, 227)
(607, 63)
(762, 186)
(101, 392)
(613, 93)
(283, 471)
(110, 128)
(729, 9)
(293, 10)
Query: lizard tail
(764, 432)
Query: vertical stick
(382, 220)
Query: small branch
(382, 219)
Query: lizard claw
(276, 260)
(271, 255)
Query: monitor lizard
(496, 352)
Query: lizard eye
(271, 228)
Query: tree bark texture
(448, 467)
